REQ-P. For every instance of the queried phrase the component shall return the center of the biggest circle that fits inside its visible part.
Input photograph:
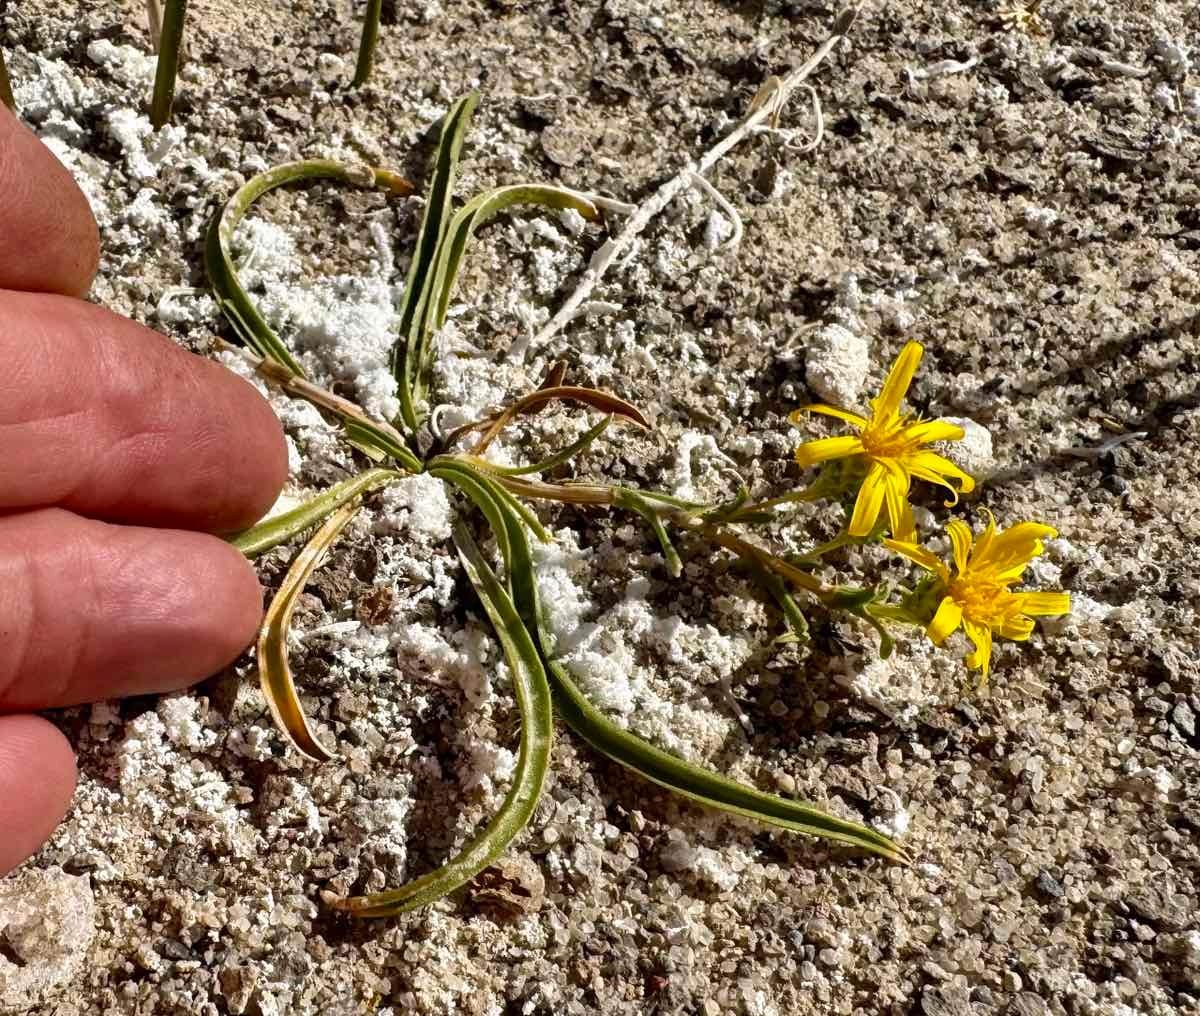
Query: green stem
(366, 47)
(6, 92)
(843, 539)
(174, 13)
(793, 497)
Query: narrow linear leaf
(730, 509)
(557, 459)
(662, 767)
(375, 441)
(170, 42)
(628, 499)
(251, 327)
(606, 402)
(477, 489)
(533, 700)
(524, 513)
(473, 215)
(773, 584)
(274, 671)
(407, 354)
(366, 46)
(281, 528)
(375, 438)
(701, 785)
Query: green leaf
(473, 215)
(409, 351)
(281, 528)
(557, 459)
(174, 15)
(662, 767)
(682, 777)
(729, 509)
(477, 489)
(366, 46)
(773, 584)
(628, 499)
(274, 670)
(701, 785)
(251, 327)
(537, 730)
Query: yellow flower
(978, 597)
(892, 447)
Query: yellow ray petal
(1011, 550)
(960, 541)
(895, 492)
(1044, 604)
(920, 556)
(934, 468)
(934, 430)
(984, 542)
(1016, 628)
(870, 500)
(898, 379)
(981, 636)
(812, 452)
(945, 621)
(841, 414)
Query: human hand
(119, 454)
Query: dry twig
(612, 249)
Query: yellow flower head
(978, 597)
(892, 446)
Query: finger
(37, 780)
(48, 238)
(90, 610)
(109, 419)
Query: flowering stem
(171, 40)
(610, 495)
(366, 48)
(795, 497)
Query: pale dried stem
(154, 23)
(305, 389)
(612, 249)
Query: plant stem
(302, 388)
(170, 42)
(604, 494)
(793, 497)
(154, 23)
(366, 48)
(6, 92)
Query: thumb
(37, 781)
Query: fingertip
(246, 600)
(100, 611)
(266, 457)
(49, 240)
(37, 783)
(215, 608)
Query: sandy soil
(1027, 206)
